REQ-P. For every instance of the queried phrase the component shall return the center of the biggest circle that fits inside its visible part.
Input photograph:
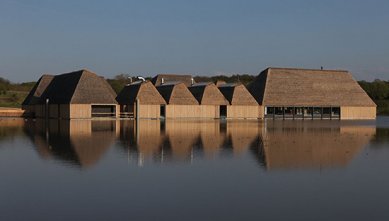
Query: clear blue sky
(204, 37)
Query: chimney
(192, 81)
(162, 81)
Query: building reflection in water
(78, 142)
(10, 127)
(312, 144)
(274, 144)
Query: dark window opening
(163, 111)
(335, 112)
(223, 111)
(326, 112)
(317, 112)
(103, 110)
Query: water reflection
(78, 142)
(9, 128)
(273, 144)
(312, 144)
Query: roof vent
(141, 78)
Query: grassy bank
(12, 98)
(13, 94)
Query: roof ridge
(307, 69)
(264, 89)
(77, 85)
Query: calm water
(194, 170)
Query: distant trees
(377, 90)
(241, 78)
(4, 86)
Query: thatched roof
(34, 97)
(80, 87)
(177, 93)
(306, 87)
(237, 94)
(169, 78)
(207, 94)
(144, 91)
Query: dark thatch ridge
(34, 97)
(177, 93)
(168, 78)
(237, 94)
(308, 87)
(257, 87)
(80, 87)
(207, 94)
(144, 91)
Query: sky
(199, 37)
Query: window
(103, 110)
(163, 111)
(223, 111)
(335, 112)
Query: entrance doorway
(223, 111)
(162, 111)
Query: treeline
(378, 90)
(119, 81)
(241, 78)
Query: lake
(194, 170)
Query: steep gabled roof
(144, 91)
(34, 97)
(207, 94)
(307, 87)
(177, 93)
(237, 94)
(168, 78)
(80, 87)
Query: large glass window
(335, 111)
(269, 110)
(279, 111)
(326, 112)
(298, 112)
(103, 110)
(317, 112)
(302, 112)
(308, 112)
(289, 112)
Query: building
(241, 103)
(308, 94)
(32, 103)
(180, 101)
(209, 98)
(169, 78)
(149, 100)
(80, 94)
